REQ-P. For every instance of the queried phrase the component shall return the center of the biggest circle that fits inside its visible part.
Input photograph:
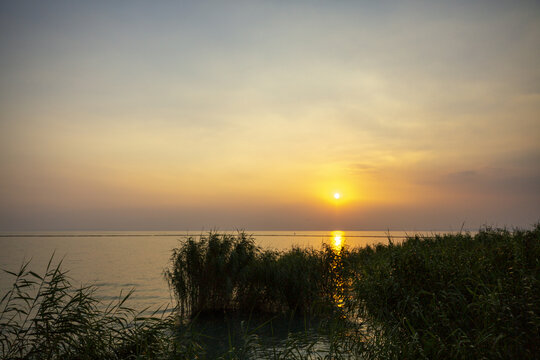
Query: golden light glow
(337, 240)
(337, 196)
(339, 284)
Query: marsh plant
(444, 296)
(228, 273)
(47, 317)
(454, 296)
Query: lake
(117, 261)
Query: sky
(190, 115)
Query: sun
(337, 196)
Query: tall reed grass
(229, 273)
(47, 317)
(454, 296)
(445, 296)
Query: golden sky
(251, 114)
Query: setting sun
(337, 195)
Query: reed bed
(221, 273)
(47, 317)
(454, 296)
(445, 296)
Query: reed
(206, 275)
(46, 317)
(228, 273)
(445, 296)
(454, 296)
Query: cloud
(462, 176)
(362, 167)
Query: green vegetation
(223, 273)
(454, 296)
(46, 317)
(448, 296)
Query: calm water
(116, 261)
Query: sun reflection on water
(337, 244)
(337, 240)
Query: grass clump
(454, 296)
(210, 275)
(229, 273)
(446, 296)
(46, 317)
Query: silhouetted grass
(229, 273)
(454, 296)
(446, 296)
(46, 317)
(451, 296)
